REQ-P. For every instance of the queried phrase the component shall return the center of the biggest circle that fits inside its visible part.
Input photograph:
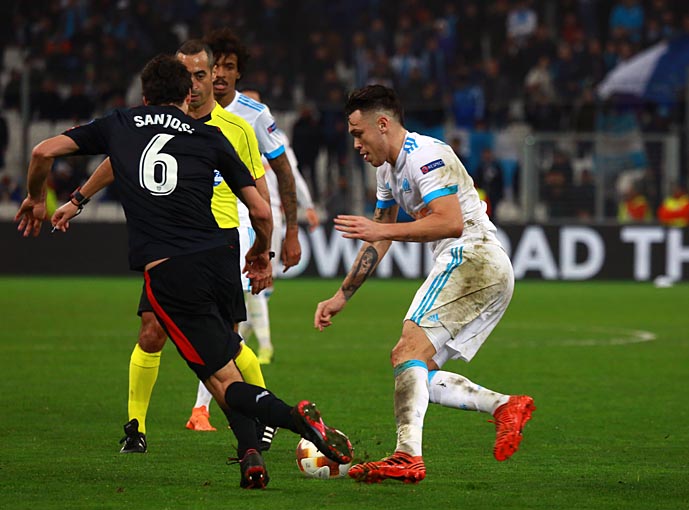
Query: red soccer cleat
(399, 466)
(510, 419)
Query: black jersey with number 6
(163, 162)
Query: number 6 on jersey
(151, 157)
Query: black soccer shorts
(193, 297)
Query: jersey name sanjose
(432, 166)
(163, 119)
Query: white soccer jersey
(269, 141)
(259, 116)
(426, 169)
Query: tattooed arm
(366, 262)
(291, 250)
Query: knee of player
(151, 335)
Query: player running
(163, 164)
(461, 301)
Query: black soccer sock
(244, 429)
(261, 404)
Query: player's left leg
(458, 324)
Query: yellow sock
(143, 372)
(247, 363)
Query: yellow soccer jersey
(242, 137)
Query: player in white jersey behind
(461, 301)
(230, 59)
(258, 317)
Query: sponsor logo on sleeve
(272, 128)
(429, 167)
(217, 178)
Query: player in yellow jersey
(145, 359)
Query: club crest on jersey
(217, 178)
(428, 167)
(272, 127)
(405, 186)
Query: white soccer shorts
(463, 299)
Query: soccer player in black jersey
(163, 167)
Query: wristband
(78, 199)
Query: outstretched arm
(442, 220)
(32, 211)
(370, 254)
(100, 178)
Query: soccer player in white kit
(258, 319)
(461, 300)
(230, 58)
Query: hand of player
(358, 227)
(30, 216)
(312, 218)
(291, 249)
(61, 217)
(259, 270)
(326, 310)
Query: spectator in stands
(583, 196)
(338, 200)
(674, 211)
(78, 105)
(306, 143)
(4, 140)
(490, 178)
(9, 189)
(498, 92)
(467, 100)
(521, 22)
(634, 207)
(556, 187)
(627, 20)
(47, 102)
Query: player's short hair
(195, 46)
(223, 42)
(165, 80)
(375, 98)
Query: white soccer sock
(203, 397)
(454, 390)
(411, 402)
(258, 317)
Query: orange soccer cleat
(399, 466)
(510, 419)
(199, 420)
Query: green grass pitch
(607, 364)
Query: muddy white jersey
(427, 169)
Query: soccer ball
(314, 464)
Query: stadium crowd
(464, 69)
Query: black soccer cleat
(253, 471)
(265, 435)
(330, 442)
(134, 441)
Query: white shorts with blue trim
(463, 299)
(247, 236)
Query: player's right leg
(258, 317)
(409, 359)
(143, 372)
